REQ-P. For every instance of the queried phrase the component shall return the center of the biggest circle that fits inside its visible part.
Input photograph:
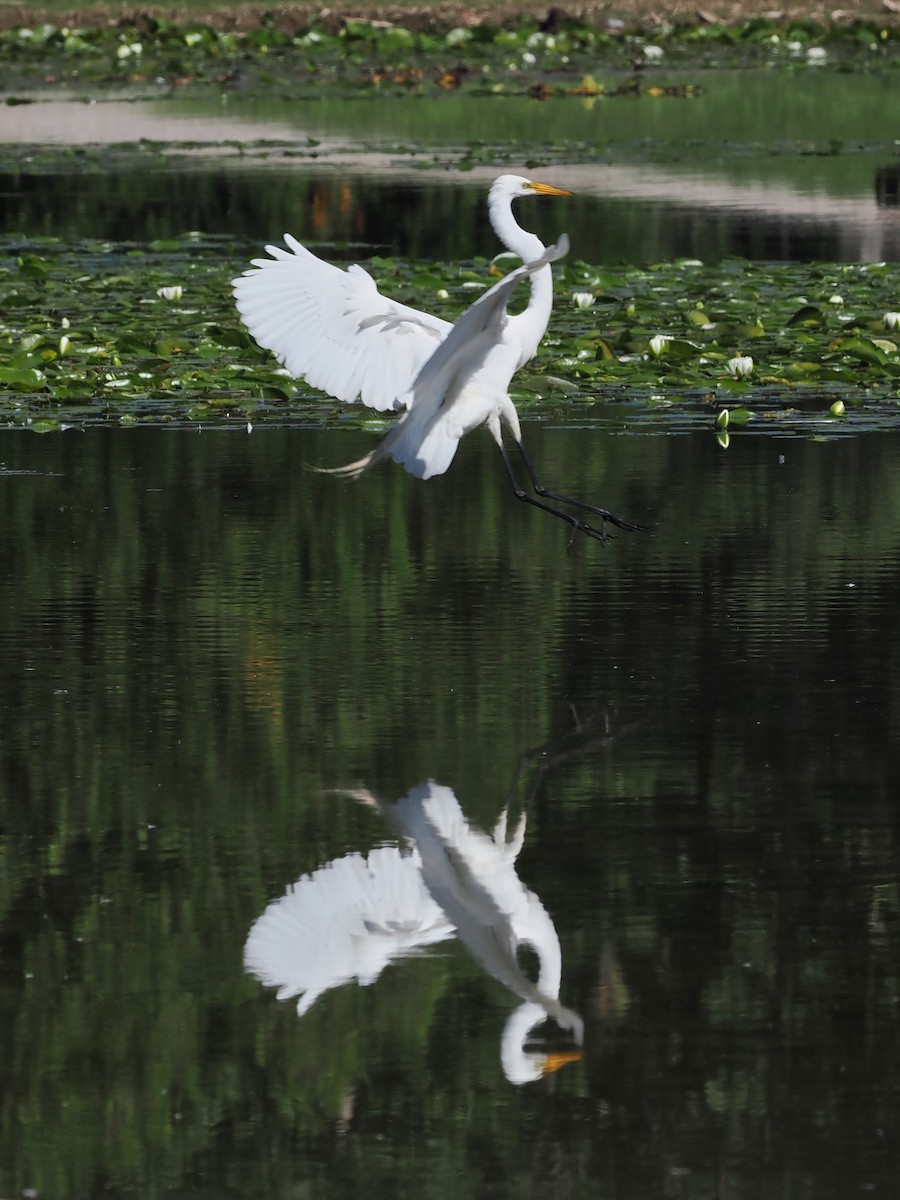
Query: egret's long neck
(527, 245)
(531, 323)
(542, 936)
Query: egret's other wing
(333, 328)
(481, 323)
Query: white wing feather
(333, 328)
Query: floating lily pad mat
(362, 54)
(117, 333)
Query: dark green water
(200, 639)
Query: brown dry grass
(446, 13)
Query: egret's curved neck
(533, 320)
(527, 245)
(542, 936)
(540, 932)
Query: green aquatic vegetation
(365, 54)
(103, 332)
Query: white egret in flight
(334, 329)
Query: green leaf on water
(32, 266)
(740, 416)
(809, 314)
(21, 379)
(863, 349)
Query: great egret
(472, 877)
(334, 329)
(353, 916)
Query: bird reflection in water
(353, 916)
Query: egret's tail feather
(355, 469)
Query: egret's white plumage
(334, 328)
(464, 382)
(354, 916)
(347, 920)
(472, 877)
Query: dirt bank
(448, 13)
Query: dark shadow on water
(426, 219)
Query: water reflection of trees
(352, 917)
(194, 628)
(422, 219)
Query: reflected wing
(349, 919)
(333, 328)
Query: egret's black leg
(619, 522)
(521, 494)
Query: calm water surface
(201, 641)
(769, 166)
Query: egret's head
(511, 187)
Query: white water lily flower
(816, 55)
(443, 294)
(659, 345)
(740, 366)
(891, 320)
(835, 299)
(528, 58)
(129, 50)
(170, 293)
(654, 53)
(457, 36)
(64, 344)
(583, 299)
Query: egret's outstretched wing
(420, 441)
(347, 920)
(333, 328)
